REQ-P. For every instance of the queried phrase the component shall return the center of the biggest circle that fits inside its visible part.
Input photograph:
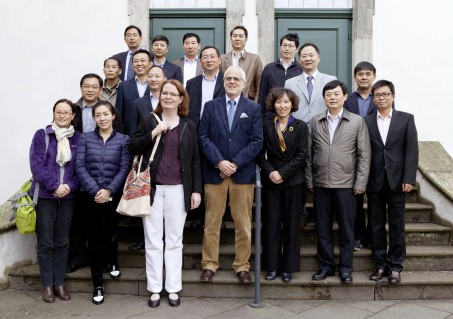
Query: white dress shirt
(333, 121)
(383, 124)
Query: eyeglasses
(288, 46)
(233, 78)
(209, 57)
(384, 95)
(86, 87)
(65, 113)
(171, 94)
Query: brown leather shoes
(394, 277)
(207, 275)
(47, 295)
(61, 292)
(244, 277)
(377, 274)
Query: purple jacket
(45, 169)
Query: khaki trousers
(241, 200)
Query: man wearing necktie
(231, 136)
(133, 38)
(308, 86)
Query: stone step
(414, 285)
(417, 234)
(414, 212)
(411, 197)
(429, 258)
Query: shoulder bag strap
(151, 158)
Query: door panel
(332, 38)
(211, 32)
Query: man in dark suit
(231, 136)
(160, 45)
(133, 39)
(206, 86)
(338, 168)
(201, 89)
(361, 102)
(189, 63)
(394, 149)
(132, 89)
(147, 103)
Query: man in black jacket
(276, 73)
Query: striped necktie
(309, 87)
(231, 111)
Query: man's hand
(226, 168)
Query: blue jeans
(53, 220)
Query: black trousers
(362, 229)
(281, 227)
(102, 236)
(395, 204)
(341, 201)
(77, 251)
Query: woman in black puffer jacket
(102, 166)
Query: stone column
(266, 30)
(138, 12)
(235, 10)
(362, 31)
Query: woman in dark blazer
(282, 161)
(176, 187)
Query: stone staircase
(428, 272)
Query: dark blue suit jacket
(173, 71)
(122, 57)
(142, 106)
(398, 158)
(126, 95)
(194, 89)
(241, 145)
(352, 105)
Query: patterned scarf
(64, 154)
(280, 132)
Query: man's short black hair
(91, 75)
(191, 35)
(132, 27)
(364, 65)
(332, 85)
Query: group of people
(218, 116)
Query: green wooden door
(330, 31)
(208, 24)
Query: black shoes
(98, 295)
(346, 278)
(154, 300)
(378, 274)
(321, 275)
(287, 277)
(137, 246)
(394, 278)
(244, 277)
(72, 267)
(271, 275)
(115, 272)
(206, 275)
(173, 300)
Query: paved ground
(18, 304)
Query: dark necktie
(309, 87)
(130, 68)
(231, 111)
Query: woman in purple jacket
(102, 166)
(52, 163)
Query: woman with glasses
(52, 163)
(282, 161)
(102, 167)
(176, 187)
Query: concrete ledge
(435, 180)
(437, 166)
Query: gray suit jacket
(307, 111)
